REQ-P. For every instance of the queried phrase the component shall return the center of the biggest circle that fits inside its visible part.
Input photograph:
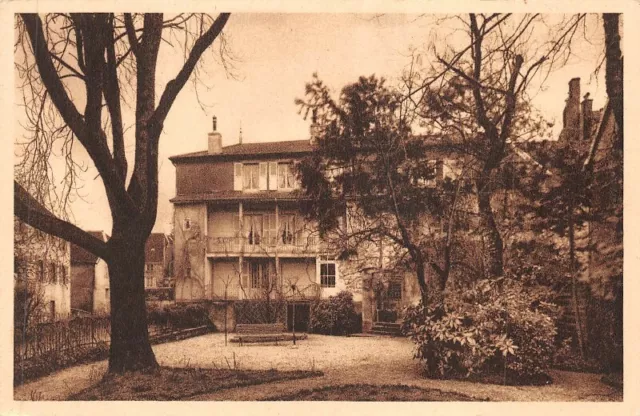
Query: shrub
(486, 331)
(179, 316)
(335, 316)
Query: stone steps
(387, 328)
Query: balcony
(263, 246)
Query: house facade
(42, 272)
(89, 280)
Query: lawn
(169, 383)
(373, 393)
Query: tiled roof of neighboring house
(82, 256)
(237, 196)
(252, 149)
(154, 248)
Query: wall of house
(31, 247)
(203, 177)
(82, 287)
(101, 301)
(223, 222)
(224, 272)
(192, 279)
(302, 273)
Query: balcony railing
(263, 245)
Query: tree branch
(31, 212)
(174, 86)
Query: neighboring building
(89, 280)
(41, 266)
(158, 257)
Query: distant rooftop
(252, 149)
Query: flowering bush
(490, 329)
(335, 316)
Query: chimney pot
(214, 139)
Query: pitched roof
(154, 248)
(252, 149)
(81, 256)
(227, 195)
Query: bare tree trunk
(614, 68)
(492, 239)
(130, 347)
(574, 283)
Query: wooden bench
(260, 332)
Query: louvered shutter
(262, 183)
(273, 176)
(245, 274)
(237, 176)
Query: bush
(335, 316)
(179, 316)
(487, 331)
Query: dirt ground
(344, 360)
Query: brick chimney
(215, 139)
(314, 130)
(587, 116)
(571, 122)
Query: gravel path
(344, 360)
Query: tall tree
(372, 184)
(104, 54)
(476, 93)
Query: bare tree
(103, 55)
(476, 96)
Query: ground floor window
(395, 290)
(328, 274)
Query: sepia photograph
(333, 207)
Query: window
(149, 267)
(52, 310)
(250, 176)
(187, 224)
(328, 275)
(53, 273)
(430, 175)
(63, 274)
(149, 281)
(287, 229)
(260, 274)
(254, 229)
(394, 291)
(286, 177)
(106, 295)
(40, 270)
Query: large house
(89, 280)
(41, 274)
(239, 233)
(240, 236)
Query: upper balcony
(289, 245)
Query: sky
(274, 56)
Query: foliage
(180, 316)
(493, 328)
(367, 154)
(335, 316)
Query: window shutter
(245, 274)
(273, 176)
(294, 172)
(237, 176)
(262, 183)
